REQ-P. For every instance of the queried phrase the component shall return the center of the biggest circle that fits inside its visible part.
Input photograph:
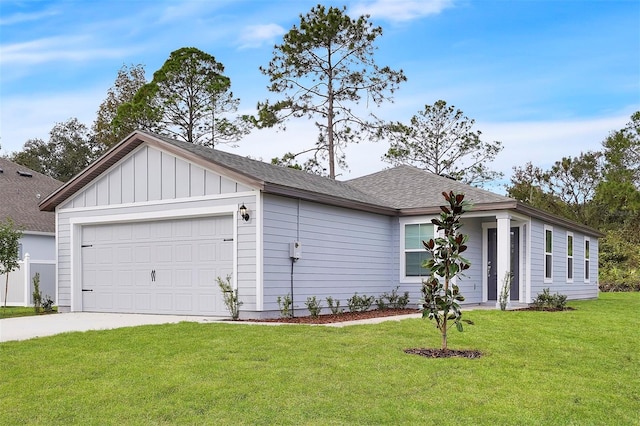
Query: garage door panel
(187, 255)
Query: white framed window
(587, 259)
(548, 254)
(569, 257)
(413, 253)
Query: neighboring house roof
(402, 190)
(21, 190)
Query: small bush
(335, 308)
(547, 302)
(360, 303)
(313, 306)
(285, 304)
(47, 304)
(230, 296)
(393, 300)
(37, 295)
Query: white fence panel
(20, 285)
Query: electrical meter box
(296, 250)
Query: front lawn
(20, 311)
(577, 367)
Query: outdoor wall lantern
(244, 212)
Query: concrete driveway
(23, 328)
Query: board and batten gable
(152, 185)
(579, 287)
(344, 251)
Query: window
(548, 253)
(414, 252)
(587, 259)
(569, 257)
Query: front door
(492, 270)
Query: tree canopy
(323, 68)
(128, 81)
(71, 148)
(189, 98)
(440, 139)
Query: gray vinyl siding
(343, 252)
(471, 283)
(577, 289)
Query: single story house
(21, 190)
(149, 226)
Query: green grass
(19, 311)
(577, 367)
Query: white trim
(586, 269)
(45, 234)
(526, 295)
(570, 256)
(414, 220)
(485, 259)
(259, 215)
(545, 228)
(229, 195)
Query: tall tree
(189, 98)
(440, 140)
(324, 67)
(71, 148)
(128, 81)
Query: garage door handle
(87, 289)
(153, 275)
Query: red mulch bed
(343, 317)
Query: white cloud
(400, 10)
(20, 18)
(54, 49)
(256, 35)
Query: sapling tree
(441, 295)
(9, 256)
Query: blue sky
(548, 78)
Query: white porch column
(503, 249)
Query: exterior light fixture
(244, 212)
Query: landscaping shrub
(285, 304)
(546, 301)
(360, 303)
(314, 306)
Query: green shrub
(230, 296)
(360, 303)
(285, 304)
(546, 301)
(393, 300)
(314, 306)
(335, 308)
(47, 304)
(37, 295)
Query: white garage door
(159, 267)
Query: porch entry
(492, 270)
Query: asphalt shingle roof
(20, 195)
(406, 187)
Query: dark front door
(492, 270)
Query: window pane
(547, 266)
(414, 235)
(570, 245)
(548, 241)
(570, 268)
(586, 269)
(413, 263)
(586, 250)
